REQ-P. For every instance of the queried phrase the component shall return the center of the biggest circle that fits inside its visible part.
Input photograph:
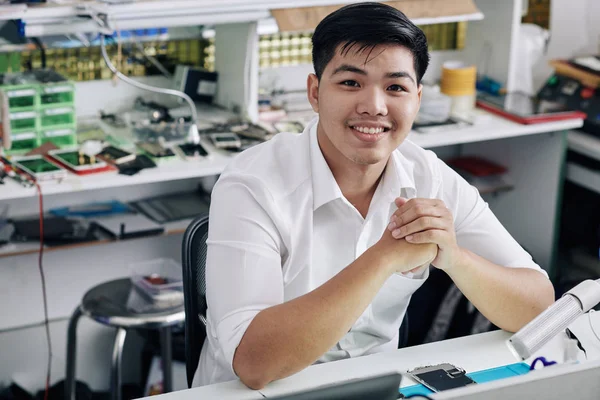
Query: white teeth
(371, 131)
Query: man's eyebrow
(401, 74)
(356, 70)
(349, 68)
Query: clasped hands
(428, 223)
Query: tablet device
(525, 109)
(383, 387)
(40, 168)
(77, 161)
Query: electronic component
(199, 84)
(155, 149)
(225, 140)
(441, 377)
(40, 168)
(76, 160)
(187, 150)
(115, 155)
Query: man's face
(366, 106)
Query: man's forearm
(286, 338)
(508, 297)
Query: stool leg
(71, 354)
(167, 358)
(115, 373)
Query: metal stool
(107, 304)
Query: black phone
(115, 155)
(441, 377)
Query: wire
(44, 296)
(42, 50)
(143, 86)
(592, 325)
(414, 396)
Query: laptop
(384, 387)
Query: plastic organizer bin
(56, 116)
(21, 97)
(23, 120)
(62, 93)
(60, 136)
(23, 141)
(159, 279)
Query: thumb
(400, 201)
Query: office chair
(193, 261)
(403, 332)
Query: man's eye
(350, 83)
(396, 88)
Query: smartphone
(40, 168)
(441, 377)
(76, 160)
(115, 155)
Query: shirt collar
(325, 187)
(397, 179)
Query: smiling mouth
(370, 130)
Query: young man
(317, 241)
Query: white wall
(575, 30)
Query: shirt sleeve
(477, 228)
(243, 266)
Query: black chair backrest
(193, 261)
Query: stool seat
(107, 303)
(114, 303)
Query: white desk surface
(473, 353)
(487, 127)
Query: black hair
(367, 25)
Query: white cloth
(280, 227)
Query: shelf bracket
(100, 16)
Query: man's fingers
(401, 201)
(419, 225)
(405, 216)
(436, 236)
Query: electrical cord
(42, 50)
(143, 86)
(44, 295)
(592, 325)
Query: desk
(473, 353)
(534, 154)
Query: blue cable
(544, 362)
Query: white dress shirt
(280, 227)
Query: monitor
(383, 387)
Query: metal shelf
(585, 144)
(53, 19)
(19, 249)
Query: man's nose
(372, 102)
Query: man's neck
(357, 182)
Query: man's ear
(312, 90)
(420, 92)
